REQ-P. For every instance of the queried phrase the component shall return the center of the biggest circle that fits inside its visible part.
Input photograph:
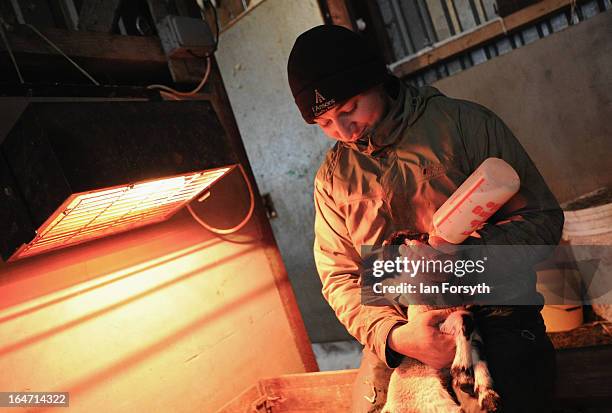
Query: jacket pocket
(429, 170)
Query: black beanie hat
(329, 64)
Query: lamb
(418, 388)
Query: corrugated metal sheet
(413, 26)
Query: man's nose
(346, 129)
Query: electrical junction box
(185, 36)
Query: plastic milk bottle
(491, 185)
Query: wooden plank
(481, 35)
(187, 70)
(87, 45)
(240, 403)
(584, 377)
(229, 23)
(328, 391)
(102, 49)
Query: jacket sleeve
(533, 216)
(338, 264)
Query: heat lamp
(75, 172)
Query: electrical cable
(214, 9)
(169, 95)
(244, 221)
(54, 46)
(168, 89)
(174, 94)
(216, 17)
(10, 51)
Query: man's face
(347, 121)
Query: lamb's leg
(488, 399)
(460, 324)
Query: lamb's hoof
(489, 400)
(463, 377)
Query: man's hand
(421, 339)
(442, 245)
(435, 248)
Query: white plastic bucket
(588, 221)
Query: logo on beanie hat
(321, 104)
(319, 97)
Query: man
(400, 153)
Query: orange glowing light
(89, 215)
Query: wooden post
(339, 13)
(223, 108)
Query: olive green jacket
(396, 177)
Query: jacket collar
(402, 112)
